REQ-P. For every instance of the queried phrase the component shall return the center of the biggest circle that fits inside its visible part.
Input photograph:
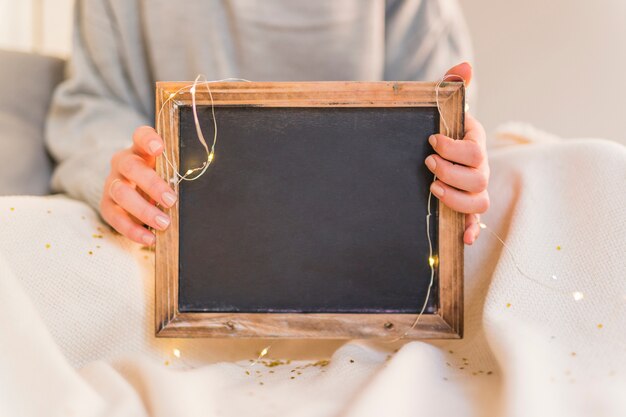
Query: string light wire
(431, 259)
(210, 152)
(210, 155)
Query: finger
(465, 152)
(462, 71)
(472, 229)
(129, 199)
(147, 142)
(458, 176)
(121, 221)
(461, 201)
(136, 170)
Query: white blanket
(76, 316)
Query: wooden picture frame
(447, 322)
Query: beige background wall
(559, 64)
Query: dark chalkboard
(311, 219)
(307, 210)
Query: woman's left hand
(462, 167)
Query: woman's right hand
(133, 187)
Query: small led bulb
(431, 261)
(211, 156)
(482, 225)
(176, 353)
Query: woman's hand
(462, 168)
(133, 187)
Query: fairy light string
(195, 173)
(431, 259)
(210, 151)
(576, 295)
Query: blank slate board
(306, 212)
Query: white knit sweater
(121, 48)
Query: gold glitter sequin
(47, 246)
(508, 305)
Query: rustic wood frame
(447, 322)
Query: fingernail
(162, 221)
(432, 140)
(431, 163)
(154, 146)
(148, 238)
(436, 189)
(168, 198)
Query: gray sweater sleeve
(95, 111)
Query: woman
(99, 124)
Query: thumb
(462, 71)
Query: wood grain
(447, 322)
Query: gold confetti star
(600, 325)
(91, 252)
(558, 248)
(12, 208)
(47, 246)
(508, 305)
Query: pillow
(27, 82)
